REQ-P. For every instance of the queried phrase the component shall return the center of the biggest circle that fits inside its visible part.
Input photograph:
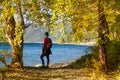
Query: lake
(60, 53)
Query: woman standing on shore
(46, 49)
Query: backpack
(49, 44)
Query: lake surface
(60, 53)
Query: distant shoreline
(82, 43)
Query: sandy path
(37, 73)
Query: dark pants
(48, 59)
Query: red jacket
(44, 48)
(45, 44)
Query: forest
(72, 21)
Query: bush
(92, 60)
(84, 61)
(113, 54)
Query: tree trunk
(103, 31)
(21, 22)
(17, 49)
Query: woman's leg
(41, 57)
(48, 59)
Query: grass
(83, 62)
(57, 74)
(47, 74)
(71, 73)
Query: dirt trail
(36, 73)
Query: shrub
(91, 60)
(113, 54)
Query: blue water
(60, 53)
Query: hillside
(35, 34)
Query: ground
(37, 73)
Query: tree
(103, 32)
(86, 15)
(14, 31)
(12, 20)
(79, 14)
